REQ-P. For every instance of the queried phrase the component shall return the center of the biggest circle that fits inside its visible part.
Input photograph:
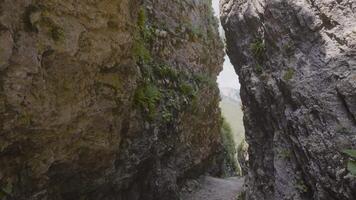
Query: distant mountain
(230, 93)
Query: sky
(227, 77)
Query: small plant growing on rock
(147, 97)
(285, 154)
(258, 49)
(288, 75)
(241, 196)
(351, 164)
(204, 79)
(143, 38)
(301, 186)
(258, 69)
(187, 89)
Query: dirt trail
(216, 189)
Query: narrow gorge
(118, 100)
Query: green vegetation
(241, 196)
(164, 91)
(229, 146)
(187, 89)
(166, 72)
(143, 39)
(141, 18)
(258, 49)
(204, 79)
(6, 190)
(194, 33)
(286, 154)
(148, 97)
(288, 75)
(301, 186)
(351, 164)
(258, 69)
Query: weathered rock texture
(296, 60)
(110, 99)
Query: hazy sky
(227, 77)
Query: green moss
(258, 49)
(288, 75)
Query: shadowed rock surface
(296, 61)
(111, 99)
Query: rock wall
(110, 99)
(296, 60)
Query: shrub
(288, 75)
(187, 89)
(164, 71)
(143, 38)
(204, 79)
(258, 49)
(141, 18)
(229, 147)
(351, 164)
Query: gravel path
(216, 189)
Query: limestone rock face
(296, 60)
(111, 99)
